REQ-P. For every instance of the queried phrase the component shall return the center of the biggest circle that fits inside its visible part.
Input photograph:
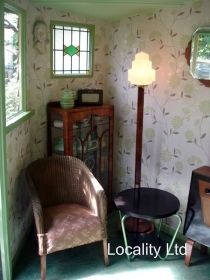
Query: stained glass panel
(71, 45)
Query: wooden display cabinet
(85, 133)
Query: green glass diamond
(71, 50)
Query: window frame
(4, 219)
(91, 27)
(22, 115)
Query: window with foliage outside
(13, 48)
(72, 49)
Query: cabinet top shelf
(56, 106)
(70, 116)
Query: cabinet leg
(189, 248)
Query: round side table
(149, 204)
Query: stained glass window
(72, 49)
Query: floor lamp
(141, 74)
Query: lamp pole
(139, 225)
(139, 134)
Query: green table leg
(159, 227)
(173, 238)
(130, 256)
(122, 220)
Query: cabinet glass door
(57, 135)
(90, 144)
(85, 144)
(102, 127)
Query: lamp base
(140, 226)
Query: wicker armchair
(69, 205)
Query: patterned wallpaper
(177, 107)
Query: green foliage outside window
(12, 52)
(204, 46)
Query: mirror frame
(188, 57)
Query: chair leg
(189, 248)
(105, 252)
(43, 267)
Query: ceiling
(106, 9)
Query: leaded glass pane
(76, 28)
(68, 28)
(88, 61)
(68, 72)
(67, 37)
(83, 60)
(75, 63)
(58, 60)
(83, 41)
(67, 62)
(75, 38)
(58, 39)
(88, 42)
(59, 72)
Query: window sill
(18, 120)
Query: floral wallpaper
(177, 107)
(176, 133)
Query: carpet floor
(86, 262)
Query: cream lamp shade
(141, 73)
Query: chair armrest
(36, 205)
(94, 195)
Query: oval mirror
(200, 54)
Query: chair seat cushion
(70, 225)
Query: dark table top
(147, 203)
